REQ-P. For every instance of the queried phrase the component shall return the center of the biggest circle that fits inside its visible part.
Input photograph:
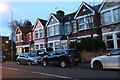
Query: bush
(89, 44)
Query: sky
(33, 10)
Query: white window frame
(74, 27)
(40, 33)
(36, 32)
(67, 28)
(111, 13)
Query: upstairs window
(116, 13)
(81, 24)
(40, 33)
(56, 30)
(67, 28)
(36, 34)
(74, 27)
(106, 18)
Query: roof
(65, 18)
(25, 29)
(43, 21)
(96, 8)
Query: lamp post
(3, 8)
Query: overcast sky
(33, 10)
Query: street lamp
(3, 8)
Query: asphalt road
(11, 70)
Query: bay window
(106, 18)
(116, 13)
(81, 24)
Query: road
(11, 70)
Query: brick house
(23, 38)
(86, 22)
(110, 24)
(39, 34)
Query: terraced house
(86, 22)
(39, 34)
(23, 38)
(110, 23)
(101, 21)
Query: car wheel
(18, 62)
(44, 63)
(29, 63)
(97, 65)
(63, 64)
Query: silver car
(28, 58)
(110, 60)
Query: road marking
(53, 75)
(10, 68)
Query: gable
(37, 25)
(107, 5)
(83, 11)
(18, 31)
(52, 20)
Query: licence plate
(76, 59)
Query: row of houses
(101, 21)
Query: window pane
(89, 25)
(37, 46)
(80, 21)
(74, 27)
(81, 27)
(118, 43)
(67, 28)
(41, 45)
(118, 35)
(89, 19)
(40, 33)
(57, 45)
(116, 13)
(36, 34)
(110, 44)
(109, 37)
(56, 30)
(107, 18)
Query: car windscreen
(32, 55)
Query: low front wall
(86, 56)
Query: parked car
(110, 60)
(2, 57)
(42, 52)
(28, 58)
(62, 58)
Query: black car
(2, 57)
(62, 58)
